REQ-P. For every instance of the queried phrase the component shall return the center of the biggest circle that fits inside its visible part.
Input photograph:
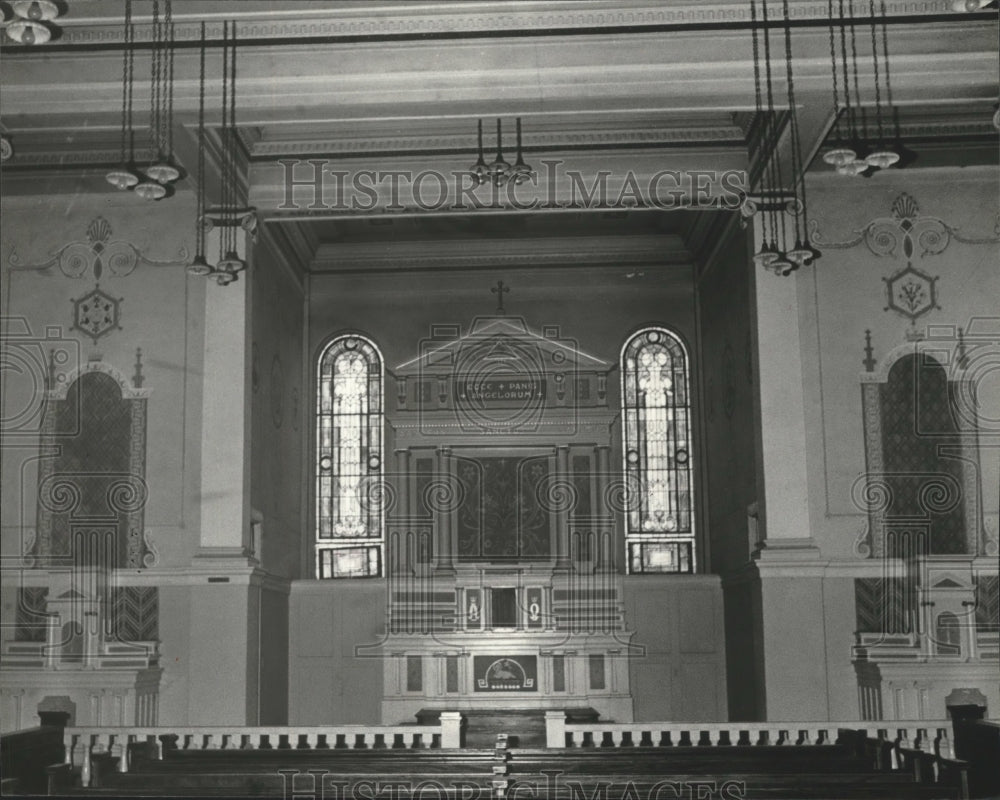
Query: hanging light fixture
(891, 108)
(480, 172)
(779, 264)
(881, 157)
(199, 265)
(123, 176)
(520, 172)
(228, 264)
(784, 245)
(162, 169)
(498, 172)
(26, 31)
(857, 165)
(768, 252)
(35, 10)
(33, 23)
(840, 153)
(150, 188)
(231, 216)
(851, 158)
(499, 166)
(800, 254)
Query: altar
(504, 586)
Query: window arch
(348, 465)
(656, 414)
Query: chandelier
(232, 214)
(499, 172)
(152, 182)
(124, 175)
(33, 23)
(855, 152)
(161, 172)
(784, 245)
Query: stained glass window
(656, 413)
(349, 540)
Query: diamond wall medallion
(97, 313)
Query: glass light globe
(799, 255)
(781, 266)
(231, 263)
(839, 156)
(882, 159)
(163, 172)
(122, 178)
(765, 256)
(28, 32)
(852, 168)
(150, 190)
(35, 10)
(199, 266)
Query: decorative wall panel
(135, 613)
(29, 619)
(95, 483)
(988, 603)
(501, 515)
(921, 454)
(884, 605)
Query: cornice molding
(74, 156)
(464, 142)
(285, 21)
(619, 250)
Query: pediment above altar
(500, 340)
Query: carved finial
(869, 360)
(500, 290)
(963, 360)
(138, 378)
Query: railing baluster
(85, 767)
(123, 743)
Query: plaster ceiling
(634, 85)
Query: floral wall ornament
(96, 313)
(911, 293)
(905, 232)
(95, 254)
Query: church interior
(563, 370)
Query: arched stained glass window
(656, 412)
(349, 541)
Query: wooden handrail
(81, 744)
